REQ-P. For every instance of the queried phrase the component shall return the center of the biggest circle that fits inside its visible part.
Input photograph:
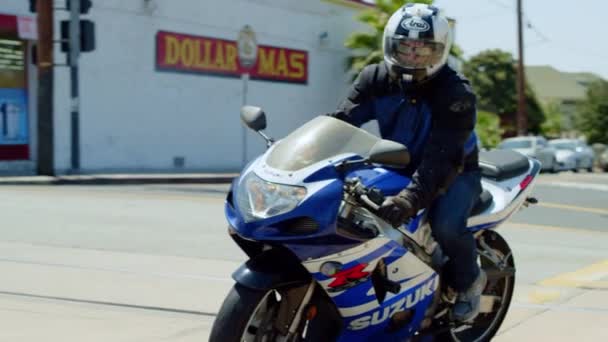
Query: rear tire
(486, 325)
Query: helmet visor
(411, 53)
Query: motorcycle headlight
(259, 199)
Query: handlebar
(371, 198)
(368, 202)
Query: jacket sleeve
(454, 117)
(358, 107)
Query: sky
(568, 35)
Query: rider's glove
(397, 210)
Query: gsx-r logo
(407, 302)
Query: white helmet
(417, 41)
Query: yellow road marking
(587, 277)
(544, 296)
(573, 208)
(603, 285)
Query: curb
(119, 180)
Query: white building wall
(15, 7)
(136, 118)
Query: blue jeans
(448, 217)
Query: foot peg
(531, 200)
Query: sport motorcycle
(324, 267)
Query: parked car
(567, 158)
(604, 161)
(573, 154)
(536, 147)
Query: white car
(565, 154)
(535, 147)
(573, 154)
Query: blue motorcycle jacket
(435, 120)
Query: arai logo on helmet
(415, 24)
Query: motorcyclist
(419, 101)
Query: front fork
(294, 306)
(299, 312)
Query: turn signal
(311, 313)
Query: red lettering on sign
(187, 53)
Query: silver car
(536, 147)
(573, 154)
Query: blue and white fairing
(302, 167)
(303, 164)
(364, 317)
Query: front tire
(234, 321)
(248, 315)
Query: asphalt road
(153, 263)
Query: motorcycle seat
(502, 164)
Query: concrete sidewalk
(122, 179)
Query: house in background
(567, 89)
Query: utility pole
(522, 115)
(45, 88)
(75, 100)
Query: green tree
(553, 125)
(367, 46)
(488, 129)
(494, 79)
(592, 119)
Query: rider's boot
(468, 302)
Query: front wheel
(245, 315)
(250, 315)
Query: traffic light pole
(74, 94)
(45, 88)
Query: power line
(544, 39)
(537, 31)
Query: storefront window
(13, 100)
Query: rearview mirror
(389, 153)
(254, 118)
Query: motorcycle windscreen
(317, 140)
